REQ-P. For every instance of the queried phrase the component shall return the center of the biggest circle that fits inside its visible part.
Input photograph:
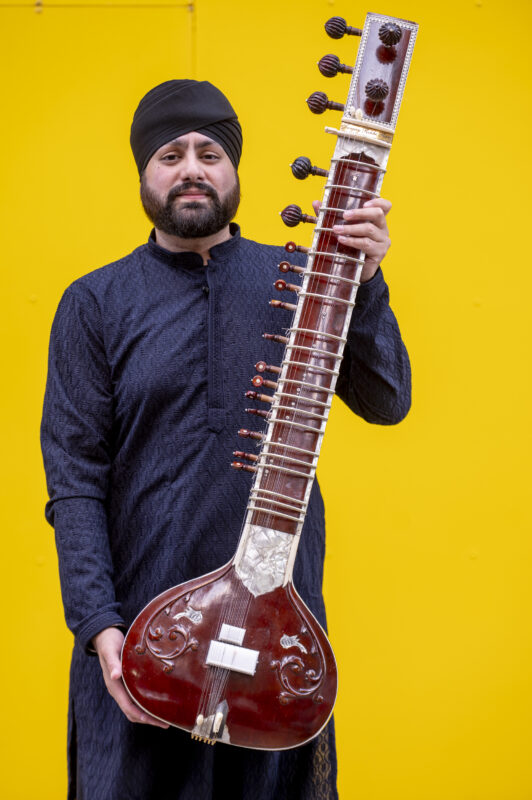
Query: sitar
(235, 655)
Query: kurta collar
(220, 252)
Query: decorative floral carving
(301, 677)
(167, 639)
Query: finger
(316, 206)
(379, 202)
(367, 229)
(375, 250)
(132, 711)
(373, 214)
(110, 661)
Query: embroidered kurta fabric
(149, 360)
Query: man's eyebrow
(198, 146)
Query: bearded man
(149, 359)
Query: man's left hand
(365, 229)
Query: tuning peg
(282, 286)
(281, 304)
(245, 467)
(264, 398)
(247, 456)
(251, 434)
(318, 102)
(376, 89)
(302, 168)
(337, 27)
(292, 247)
(292, 216)
(330, 65)
(275, 337)
(258, 412)
(390, 34)
(286, 266)
(258, 380)
(262, 366)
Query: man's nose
(191, 168)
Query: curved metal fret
(348, 259)
(322, 370)
(313, 386)
(290, 447)
(350, 303)
(342, 339)
(303, 399)
(294, 410)
(295, 425)
(330, 277)
(303, 503)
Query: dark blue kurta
(149, 361)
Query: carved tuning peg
(263, 398)
(292, 216)
(251, 434)
(275, 337)
(282, 304)
(262, 366)
(337, 27)
(390, 34)
(318, 102)
(302, 168)
(286, 266)
(258, 412)
(376, 89)
(247, 456)
(292, 247)
(282, 286)
(244, 467)
(330, 65)
(258, 380)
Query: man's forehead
(192, 139)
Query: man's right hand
(108, 645)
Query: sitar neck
(323, 301)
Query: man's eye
(211, 157)
(169, 157)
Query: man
(149, 359)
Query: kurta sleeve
(76, 442)
(374, 379)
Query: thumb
(316, 206)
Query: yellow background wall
(429, 553)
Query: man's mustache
(183, 188)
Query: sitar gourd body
(235, 656)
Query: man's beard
(191, 220)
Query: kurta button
(205, 289)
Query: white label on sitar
(265, 558)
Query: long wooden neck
(306, 378)
(310, 365)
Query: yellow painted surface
(429, 553)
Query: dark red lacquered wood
(359, 175)
(287, 701)
(395, 57)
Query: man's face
(190, 188)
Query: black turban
(177, 107)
